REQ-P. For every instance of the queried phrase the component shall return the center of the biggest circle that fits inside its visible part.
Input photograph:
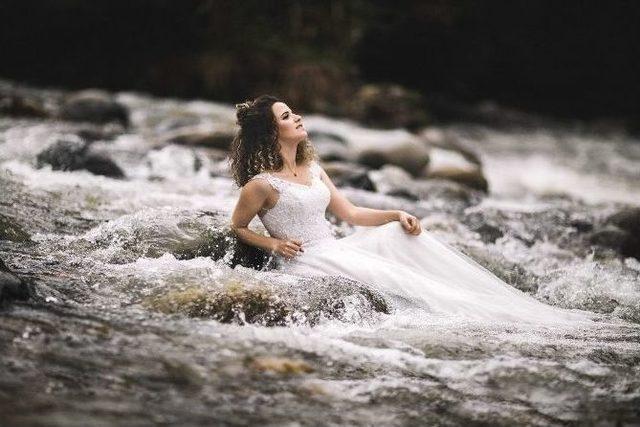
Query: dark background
(562, 58)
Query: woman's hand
(410, 223)
(287, 248)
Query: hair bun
(242, 111)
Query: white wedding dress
(411, 271)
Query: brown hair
(255, 147)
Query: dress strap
(315, 169)
(274, 182)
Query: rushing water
(137, 319)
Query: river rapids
(145, 311)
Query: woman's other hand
(287, 248)
(410, 223)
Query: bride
(273, 161)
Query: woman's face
(290, 127)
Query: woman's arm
(341, 207)
(252, 198)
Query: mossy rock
(12, 231)
(234, 303)
(308, 301)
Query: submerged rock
(11, 286)
(63, 154)
(75, 154)
(345, 174)
(101, 164)
(621, 232)
(94, 106)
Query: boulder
(214, 139)
(627, 219)
(331, 147)
(101, 164)
(74, 154)
(273, 301)
(345, 174)
(20, 105)
(64, 154)
(94, 106)
(621, 232)
(455, 166)
(447, 193)
(394, 181)
(411, 156)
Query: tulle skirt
(426, 273)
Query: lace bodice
(300, 210)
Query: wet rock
(436, 137)
(185, 234)
(94, 106)
(74, 154)
(448, 193)
(234, 303)
(581, 224)
(510, 272)
(306, 301)
(454, 166)
(99, 133)
(323, 136)
(388, 106)
(611, 237)
(488, 230)
(410, 155)
(221, 243)
(345, 174)
(175, 161)
(215, 139)
(101, 164)
(182, 373)
(627, 219)
(393, 181)
(11, 230)
(63, 154)
(19, 105)
(11, 286)
(331, 147)
(620, 232)
(280, 365)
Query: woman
(282, 183)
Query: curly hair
(255, 148)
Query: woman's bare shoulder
(257, 185)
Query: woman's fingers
(405, 223)
(293, 244)
(299, 243)
(291, 248)
(418, 228)
(409, 224)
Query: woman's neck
(289, 157)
